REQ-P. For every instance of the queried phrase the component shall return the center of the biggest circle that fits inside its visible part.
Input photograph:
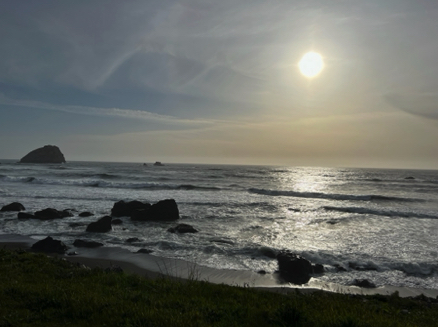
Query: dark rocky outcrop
(50, 213)
(182, 228)
(158, 163)
(46, 154)
(14, 206)
(103, 225)
(49, 245)
(86, 244)
(364, 283)
(25, 215)
(86, 214)
(122, 208)
(165, 210)
(294, 268)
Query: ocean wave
(335, 264)
(190, 187)
(109, 184)
(331, 196)
(386, 213)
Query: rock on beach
(103, 225)
(50, 245)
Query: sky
(196, 81)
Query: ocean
(374, 224)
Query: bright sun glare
(311, 64)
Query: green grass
(36, 290)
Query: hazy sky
(218, 81)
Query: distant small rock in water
(46, 154)
(14, 206)
(158, 163)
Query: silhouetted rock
(86, 244)
(14, 206)
(49, 245)
(363, 283)
(182, 228)
(46, 154)
(122, 208)
(103, 225)
(86, 214)
(165, 210)
(293, 268)
(158, 163)
(25, 215)
(51, 213)
(409, 177)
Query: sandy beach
(153, 267)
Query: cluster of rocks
(292, 267)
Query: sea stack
(46, 154)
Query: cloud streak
(110, 112)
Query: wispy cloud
(114, 112)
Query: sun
(311, 64)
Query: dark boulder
(49, 245)
(122, 208)
(14, 206)
(46, 154)
(51, 213)
(364, 283)
(158, 163)
(86, 244)
(165, 210)
(103, 225)
(293, 268)
(25, 215)
(86, 214)
(182, 229)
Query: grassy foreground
(36, 290)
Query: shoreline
(151, 266)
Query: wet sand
(152, 266)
